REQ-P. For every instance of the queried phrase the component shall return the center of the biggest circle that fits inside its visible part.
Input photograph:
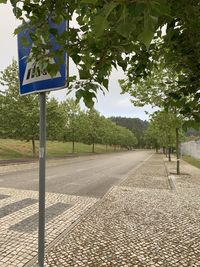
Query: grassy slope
(192, 161)
(15, 149)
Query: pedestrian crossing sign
(32, 78)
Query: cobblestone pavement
(18, 222)
(142, 222)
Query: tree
(157, 89)
(162, 131)
(21, 114)
(135, 125)
(91, 131)
(73, 123)
(151, 137)
(2, 116)
(56, 120)
(106, 38)
(126, 138)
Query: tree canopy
(129, 34)
(161, 129)
(135, 125)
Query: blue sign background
(23, 53)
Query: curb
(33, 261)
(170, 178)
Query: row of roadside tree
(19, 119)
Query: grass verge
(16, 149)
(192, 161)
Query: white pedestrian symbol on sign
(33, 73)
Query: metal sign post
(42, 172)
(34, 80)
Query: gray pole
(42, 163)
(177, 152)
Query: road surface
(90, 176)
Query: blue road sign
(32, 79)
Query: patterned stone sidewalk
(142, 222)
(19, 220)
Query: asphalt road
(84, 176)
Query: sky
(110, 104)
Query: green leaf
(154, 19)
(146, 37)
(52, 69)
(100, 24)
(89, 2)
(88, 98)
(84, 74)
(76, 58)
(137, 9)
(33, 36)
(17, 11)
(25, 42)
(53, 31)
(109, 8)
(124, 13)
(17, 30)
(84, 28)
(3, 1)
(125, 28)
(105, 83)
(71, 78)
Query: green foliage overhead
(162, 88)
(120, 33)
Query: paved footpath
(148, 220)
(19, 220)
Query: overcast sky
(110, 104)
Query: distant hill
(136, 125)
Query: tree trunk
(73, 140)
(164, 150)
(177, 152)
(106, 148)
(93, 148)
(33, 147)
(73, 146)
(169, 154)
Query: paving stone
(140, 223)
(3, 196)
(30, 224)
(16, 206)
(18, 238)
